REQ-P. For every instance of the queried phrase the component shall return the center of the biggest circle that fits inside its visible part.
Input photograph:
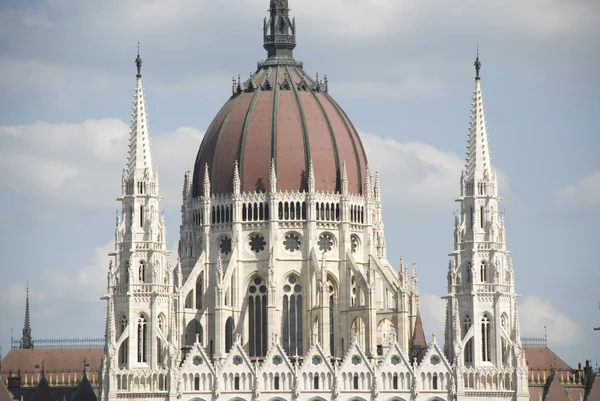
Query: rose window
(292, 242)
(257, 243)
(325, 242)
(225, 245)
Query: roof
(4, 393)
(43, 392)
(543, 359)
(418, 339)
(84, 391)
(554, 391)
(593, 391)
(54, 361)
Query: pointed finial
(311, 178)
(344, 179)
(273, 177)
(236, 179)
(377, 188)
(206, 181)
(138, 61)
(477, 64)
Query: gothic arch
(192, 329)
(358, 331)
(257, 316)
(485, 325)
(384, 335)
(292, 311)
(229, 329)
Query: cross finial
(477, 64)
(138, 61)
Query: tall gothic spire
(139, 144)
(27, 341)
(478, 152)
(279, 30)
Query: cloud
(586, 192)
(413, 173)
(536, 313)
(433, 314)
(81, 163)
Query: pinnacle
(139, 157)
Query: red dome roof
(280, 113)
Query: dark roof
(84, 391)
(544, 360)
(4, 393)
(593, 390)
(43, 391)
(418, 339)
(57, 360)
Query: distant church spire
(139, 143)
(27, 341)
(279, 30)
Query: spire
(279, 30)
(139, 142)
(27, 341)
(477, 64)
(478, 153)
(415, 279)
(377, 187)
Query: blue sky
(402, 70)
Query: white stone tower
(141, 346)
(482, 323)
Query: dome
(280, 114)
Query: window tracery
(142, 333)
(257, 317)
(292, 317)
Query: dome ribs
(359, 150)
(207, 148)
(254, 148)
(322, 145)
(229, 127)
(307, 150)
(274, 122)
(334, 144)
(290, 143)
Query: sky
(403, 72)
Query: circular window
(316, 360)
(355, 360)
(325, 242)
(292, 242)
(257, 243)
(197, 361)
(297, 288)
(237, 360)
(225, 245)
(287, 288)
(435, 360)
(354, 243)
(395, 360)
(277, 360)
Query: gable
(434, 360)
(355, 361)
(395, 360)
(196, 361)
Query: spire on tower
(236, 179)
(344, 179)
(27, 341)
(478, 153)
(139, 143)
(279, 30)
(273, 177)
(477, 64)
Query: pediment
(395, 360)
(196, 360)
(434, 358)
(315, 360)
(237, 360)
(355, 360)
(277, 361)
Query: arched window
(355, 381)
(469, 351)
(292, 317)
(142, 272)
(469, 272)
(229, 334)
(358, 331)
(199, 292)
(124, 349)
(276, 382)
(467, 324)
(316, 382)
(257, 317)
(142, 332)
(481, 217)
(141, 216)
(193, 329)
(471, 216)
(504, 343)
(161, 323)
(486, 339)
(483, 272)
(236, 382)
(435, 381)
(353, 294)
(332, 297)
(395, 381)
